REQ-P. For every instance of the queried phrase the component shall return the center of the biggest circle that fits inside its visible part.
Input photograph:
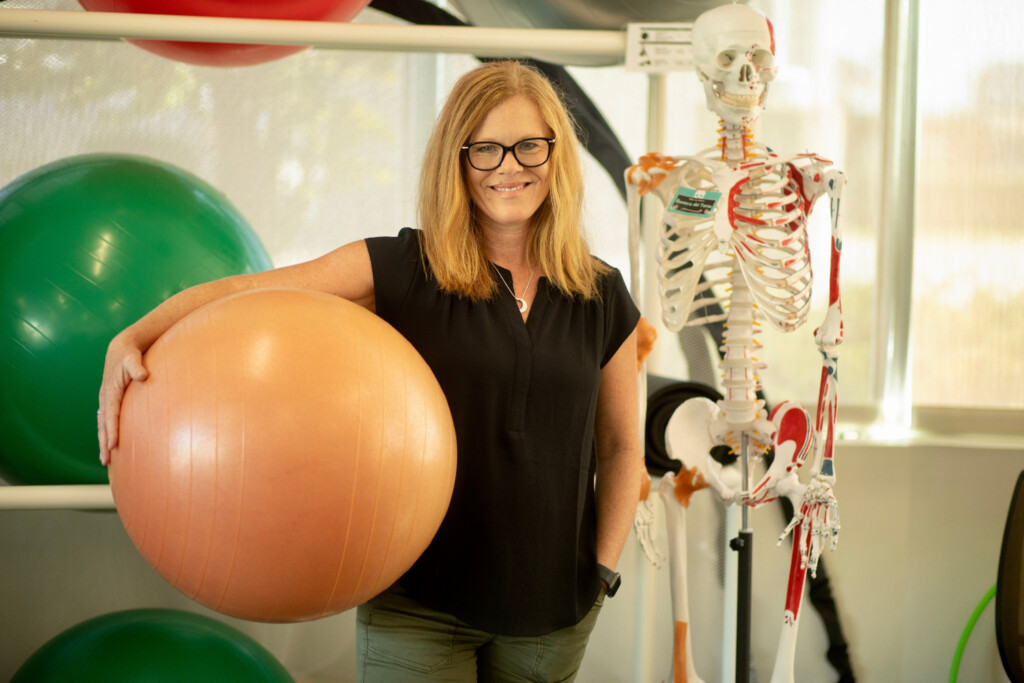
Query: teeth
(507, 189)
(737, 101)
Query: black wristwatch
(611, 578)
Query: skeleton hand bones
(817, 511)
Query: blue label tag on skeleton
(700, 203)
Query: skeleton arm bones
(816, 518)
(818, 512)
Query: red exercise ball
(289, 457)
(229, 54)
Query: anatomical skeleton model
(733, 247)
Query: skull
(734, 53)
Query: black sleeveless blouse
(516, 553)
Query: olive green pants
(400, 641)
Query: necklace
(520, 300)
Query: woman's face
(507, 197)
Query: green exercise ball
(151, 646)
(88, 245)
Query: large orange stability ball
(229, 54)
(290, 456)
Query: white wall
(919, 548)
(921, 533)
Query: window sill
(938, 426)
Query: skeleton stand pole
(744, 545)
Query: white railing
(485, 42)
(64, 497)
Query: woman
(533, 341)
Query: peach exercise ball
(289, 457)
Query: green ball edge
(152, 646)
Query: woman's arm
(619, 463)
(344, 272)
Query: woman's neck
(507, 247)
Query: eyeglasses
(487, 156)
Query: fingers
(117, 377)
(102, 437)
(111, 422)
(134, 367)
(107, 440)
(107, 418)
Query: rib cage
(766, 210)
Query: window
(315, 150)
(334, 140)
(968, 305)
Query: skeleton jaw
(735, 108)
(738, 100)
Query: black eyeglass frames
(487, 156)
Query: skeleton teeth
(737, 101)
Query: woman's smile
(508, 196)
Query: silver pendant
(521, 303)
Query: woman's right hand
(123, 364)
(344, 272)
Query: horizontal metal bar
(489, 42)
(69, 497)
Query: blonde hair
(451, 237)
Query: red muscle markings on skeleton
(746, 262)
